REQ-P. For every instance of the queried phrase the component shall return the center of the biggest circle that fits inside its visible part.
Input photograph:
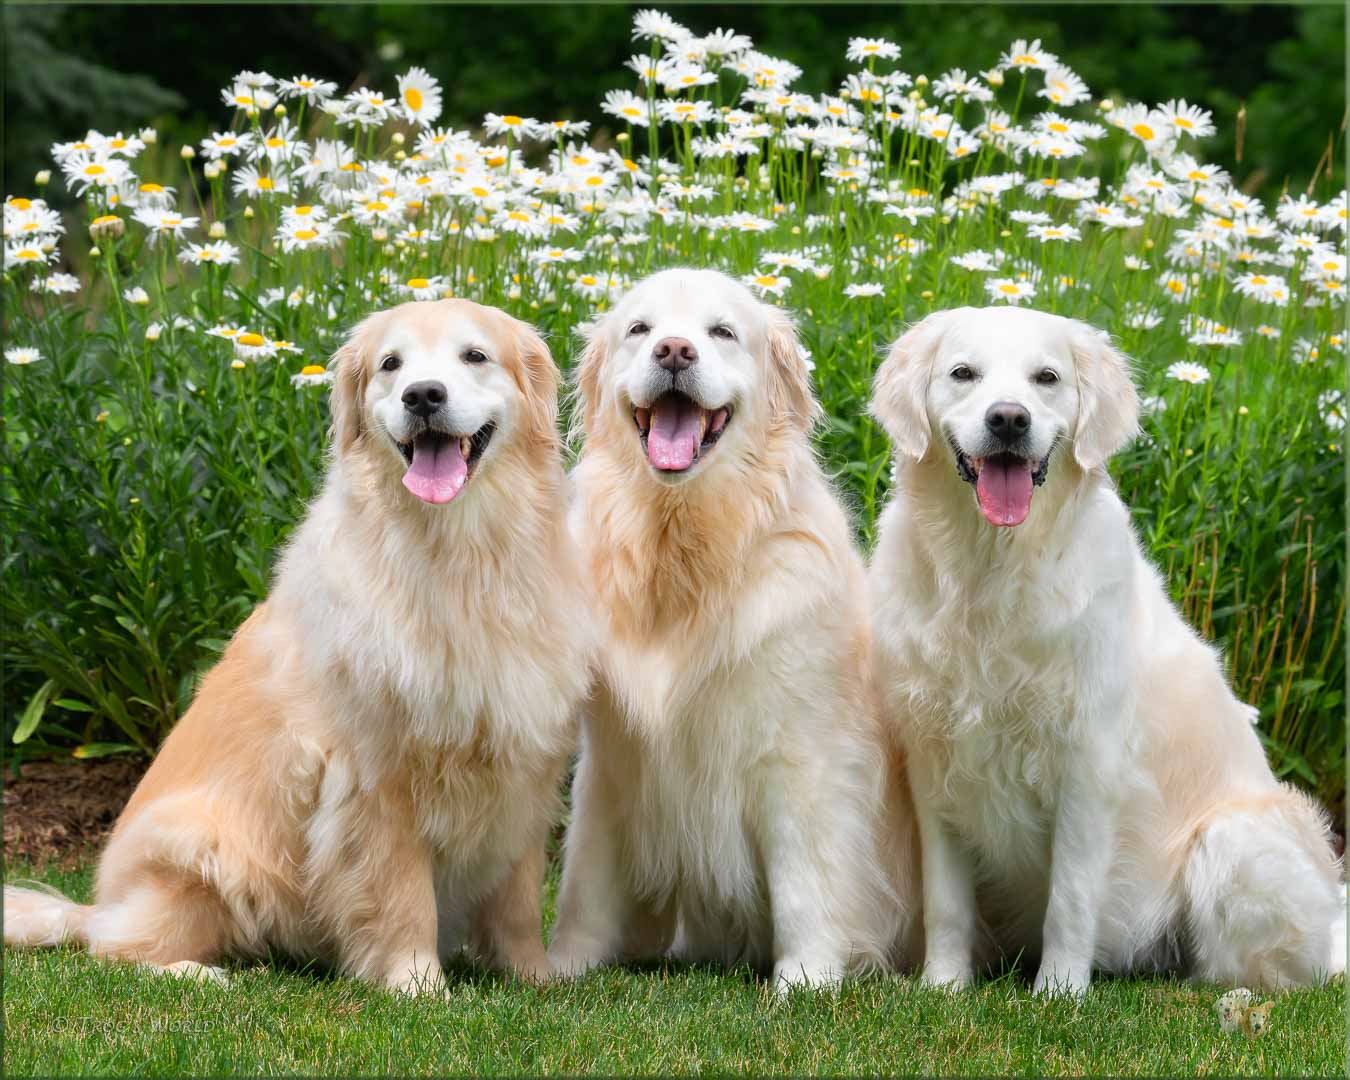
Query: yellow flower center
(1056, 126)
(1143, 131)
(1196, 174)
(352, 166)
(418, 283)
(311, 369)
(412, 97)
(586, 279)
(595, 181)
(768, 280)
(265, 183)
(512, 121)
(1009, 289)
(630, 111)
(1026, 58)
(21, 204)
(276, 141)
(226, 140)
(170, 222)
(106, 219)
(1257, 279)
(252, 339)
(1176, 286)
(376, 207)
(305, 234)
(516, 215)
(27, 253)
(479, 192)
(94, 170)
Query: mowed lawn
(66, 1014)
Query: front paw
(1069, 978)
(416, 978)
(948, 973)
(805, 973)
(567, 960)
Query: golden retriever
(734, 784)
(368, 776)
(1088, 788)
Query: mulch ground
(62, 810)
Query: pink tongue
(1004, 490)
(677, 429)
(438, 470)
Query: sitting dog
(369, 774)
(1088, 788)
(734, 780)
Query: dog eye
(392, 362)
(962, 373)
(1047, 377)
(475, 356)
(638, 329)
(722, 330)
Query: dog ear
(1108, 404)
(790, 393)
(539, 386)
(586, 379)
(351, 373)
(900, 389)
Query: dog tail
(36, 914)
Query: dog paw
(794, 973)
(191, 969)
(953, 975)
(1062, 980)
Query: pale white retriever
(734, 775)
(370, 773)
(1088, 788)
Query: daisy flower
(555, 255)
(767, 284)
(24, 253)
(251, 346)
(1047, 233)
(85, 170)
(1176, 285)
(1024, 55)
(1185, 119)
(241, 95)
(861, 49)
(419, 97)
(1143, 319)
(1188, 373)
(978, 261)
(57, 284)
(1064, 88)
(312, 90)
(1014, 292)
(627, 106)
(421, 288)
(863, 289)
(370, 107)
(649, 23)
(218, 253)
(249, 181)
(164, 222)
(23, 355)
(1330, 404)
(136, 295)
(595, 287)
(520, 127)
(312, 375)
(1139, 122)
(680, 111)
(686, 77)
(222, 143)
(1266, 288)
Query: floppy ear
(349, 388)
(587, 376)
(790, 394)
(900, 389)
(539, 386)
(1108, 404)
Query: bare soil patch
(62, 810)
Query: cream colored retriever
(372, 768)
(1088, 788)
(734, 778)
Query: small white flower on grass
(650, 23)
(312, 375)
(1064, 88)
(312, 90)
(979, 261)
(626, 106)
(136, 295)
(164, 222)
(420, 97)
(25, 253)
(863, 289)
(767, 284)
(1176, 284)
(153, 331)
(519, 127)
(218, 253)
(861, 49)
(1331, 406)
(596, 287)
(23, 354)
(1267, 288)
(302, 234)
(423, 288)
(253, 346)
(1186, 119)
(1024, 55)
(1013, 292)
(249, 181)
(1186, 372)
(1031, 217)
(57, 284)
(1049, 233)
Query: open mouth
(676, 430)
(1003, 482)
(440, 464)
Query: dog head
(689, 368)
(432, 391)
(1000, 391)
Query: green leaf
(32, 713)
(103, 749)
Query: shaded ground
(61, 811)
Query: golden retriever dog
(1088, 788)
(734, 783)
(368, 776)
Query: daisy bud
(248, 213)
(796, 230)
(765, 183)
(400, 156)
(621, 137)
(43, 178)
(1106, 104)
(397, 138)
(109, 225)
(1148, 244)
(921, 81)
(513, 293)
(1005, 233)
(216, 231)
(994, 78)
(94, 252)
(251, 113)
(48, 246)
(280, 110)
(914, 95)
(389, 249)
(534, 305)
(1242, 410)
(102, 418)
(187, 153)
(816, 155)
(209, 170)
(153, 331)
(149, 135)
(914, 163)
(379, 235)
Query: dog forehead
(1006, 335)
(685, 294)
(435, 332)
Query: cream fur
(733, 779)
(1088, 788)
(373, 767)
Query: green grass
(67, 1014)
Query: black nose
(674, 353)
(424, 398)
(1007, 420)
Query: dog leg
(949, 907)
(507, 927)
(809, 949)
(596, 900)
